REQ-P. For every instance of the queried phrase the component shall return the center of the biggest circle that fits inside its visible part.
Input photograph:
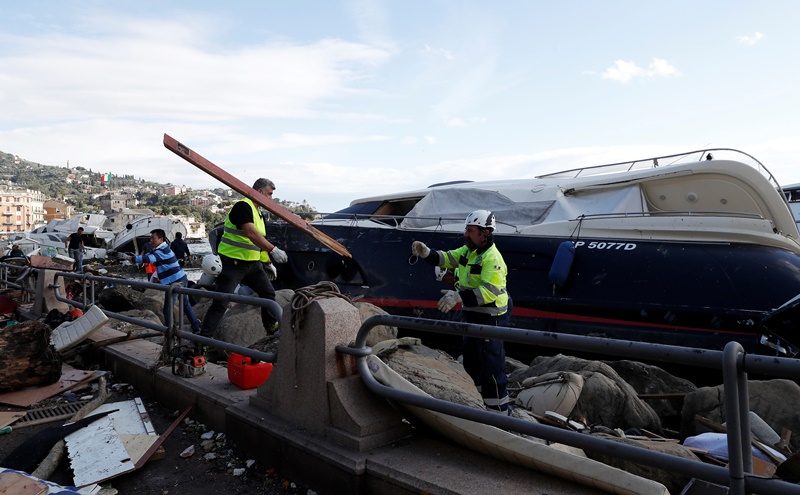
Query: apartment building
(21, 210)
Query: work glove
(122, 256)
(420, 249)
(450, 299)
(278, 255)
(272, 272)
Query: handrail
(273, 307)
(88, 300)
(732, 360)
(653, 162)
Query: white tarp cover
(454, 204)
(597, 202)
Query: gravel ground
(221, 470)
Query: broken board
(19, 484)
(70, 378)
(9, 417)
(110, 446)
(292, 218)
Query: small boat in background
(135, 234)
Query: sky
(337, 100)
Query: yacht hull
(699, 294)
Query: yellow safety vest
(484, 273)
(235, 243)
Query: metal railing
(170, 330)
(732, 361)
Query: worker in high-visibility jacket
(242, 251)
(480, 286)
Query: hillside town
(25, 209)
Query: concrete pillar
(318, 389)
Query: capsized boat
(693, 249)
(133, 237)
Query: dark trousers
(235, 272)
(187, 307)
(485, 361)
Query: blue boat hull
(691, 294)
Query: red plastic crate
(244, 374)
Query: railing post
(738, 439)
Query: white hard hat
(481, 218)
(211, 265)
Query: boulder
(436, 373)
(775, 401)
(648, 379)
(380, 332)
(606, 398)
(241, 325)
(121, 298)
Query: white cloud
(459, 122)
(455, 122)
(624, 71)
(428, 51)
(750, 39)
(150, 69)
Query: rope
(304, 296)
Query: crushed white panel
(72, 333)
(111, 445)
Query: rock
(241, 325)
(207, 435)
(514, 365)
(436, 373)
(144, 314)
(284, 298)
(775, 401)
(188, 451)
(380, 332)
(648, 379)
(606, 398)
(673, 481)
(239, 471)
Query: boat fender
(562, 264)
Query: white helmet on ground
(211, 265)
(481, 218)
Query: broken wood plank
(290, 217)
(162, 437)
(48, 466)
(70, 379)
(9, 417)
(19, 484)
(783, 444)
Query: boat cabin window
(380, 211)
(355, 211)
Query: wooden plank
(70, 378)
(105, 333)
(8, 417)
(292, 218)
(154, 448)
(19, 484)
(116, 445)
(96, 453)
